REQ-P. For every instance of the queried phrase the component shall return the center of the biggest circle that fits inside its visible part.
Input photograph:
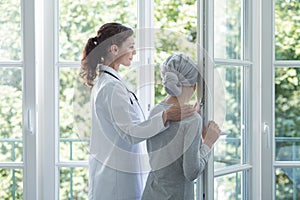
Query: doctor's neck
(113, 65)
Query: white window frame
(252, 44)
(145, 37)
(267, 97)
(29, 136)
(47, 71)
(269, 64)
(206, 190)
(255, 101)
(48, 99)
(29, 101)
(46, 83)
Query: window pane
(74, 112)
(11, 114)
(287, 184)
(11, 184)
(73, 183)
(10, 30)
(74, 115)
(228, 187)
(175, 25)
(287, 25)
(228, 114)
(227, 29)
(80, 20)
(287, 112)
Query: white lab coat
(118, 163)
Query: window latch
(29, 122)
(267, 134)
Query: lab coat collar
(111, 70)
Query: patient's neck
(175, 100)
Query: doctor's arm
(134, 131)
(176, 112)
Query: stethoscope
(132, 93)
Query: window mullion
(46, 98)
(201, 82)
(255, 96)
(267, 72)
(208, 45)
(145, 36)
(29, 103)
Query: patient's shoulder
(195, 118)
(158, 108)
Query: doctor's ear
(114, 49)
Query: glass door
(228, 70)
(281, 167)
(75, 23)
(17, 101)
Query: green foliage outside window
(287, 98)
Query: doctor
(117, 165)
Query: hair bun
(183, 68)
(95, 40)
(172, 84)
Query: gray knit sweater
(177, 157)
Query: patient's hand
(212, 133)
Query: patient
(176, 160)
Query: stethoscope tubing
(107, 72)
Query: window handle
(267, 133)
(29, 122)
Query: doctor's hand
(177, 112)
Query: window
(281, 116)
(55, 159)
(175, 30)
(232, 62)
(287, 95)
(78, 20)
(17, 107)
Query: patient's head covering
(177, 71)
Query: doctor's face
(126, 52)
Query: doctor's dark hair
(96, 49)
